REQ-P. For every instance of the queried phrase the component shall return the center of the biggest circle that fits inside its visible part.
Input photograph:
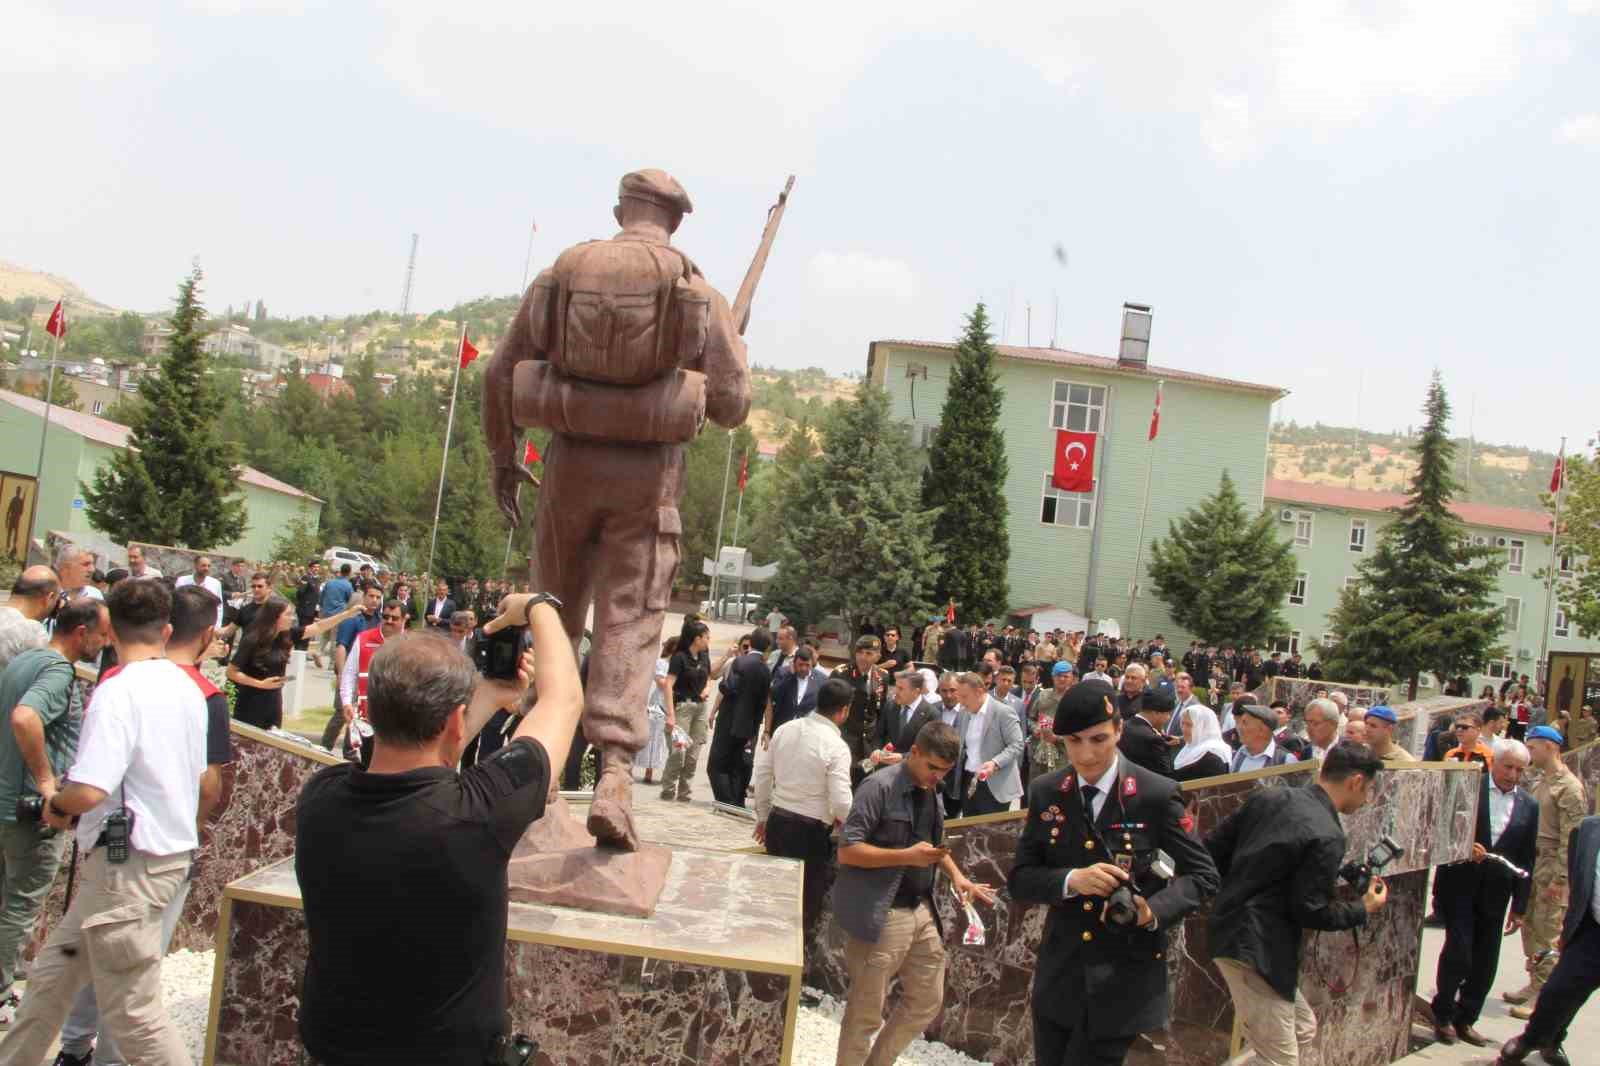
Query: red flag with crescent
(57, 326)
(1074, 466)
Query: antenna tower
(411, 272)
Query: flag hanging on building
(1155, 416)
(468, 352)
(744, 471)
(530, 454)
(1555, 476)
(57, 325)
(1074, 465)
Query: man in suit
(438, 610)
(1577, 972)
(738, 718)
(900, 722)
(794, 691)
(1473, 896)
(1093, 827)
(1144, 739)
(991, 749)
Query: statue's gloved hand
(507, 481)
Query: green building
(1332, 530)
(1074, 553)
(79, 444)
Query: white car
(747, 607)
(336, 557)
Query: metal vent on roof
(1135, 347)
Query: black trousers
(726, 767)
(794, 836)
(952, 804)
(1576, 976)
(979, 801)
(1474, 913)
(1054, 1044)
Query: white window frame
(1348, 582)
(1297, 591)
(1291, 646)
(1091, 418)
(1094, 413)
(1500, 669)
(1565, 562)
(1309, 521)
(1516, 555)
(1358, 544)
(1563, 626)
(1084, 502)
(99, 406)
(1327, 640)
(1512, 624)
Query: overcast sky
(1335, 197)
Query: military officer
(1561, 807)
(1094, 827)
(866, 702)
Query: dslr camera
(498, 654)
(1121, 907)
(30, 809)
(1359, 875)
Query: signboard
(1573, 679)
(18, 493)
(77, 503)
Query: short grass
(309, 722)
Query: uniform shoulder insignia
(1066, 783)
(1130, 786)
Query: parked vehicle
(747, 606)
(337, 556)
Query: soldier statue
(623, 350)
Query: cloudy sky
(1336, 197)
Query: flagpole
(1555, 563)
(444, 462)
(738, 509)
(722, 514)
(44, 427)
(1138, 545)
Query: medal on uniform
(1066, 783)
(1124, 861)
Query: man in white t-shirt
(137, 567)
(75, 566)
(202, 577)
(142, 751)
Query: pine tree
(1579, 593)
(855, 540)
(1222, 574)
(177, 481)
(65, 394)
(1424, 600)
(966, 478)
(798, 452)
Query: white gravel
(186, 989)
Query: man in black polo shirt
(389, 980)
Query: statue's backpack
(620, 312)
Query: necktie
(1089, 793)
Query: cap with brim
(1061, 668)
(1383, 714)
(1545, 732)
(1086, 705)
(868, 643)
(1157, 701)
(1264, 715)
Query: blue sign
(77, 503)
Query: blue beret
(1545, 732)
(1061, 668)
(1382, 713)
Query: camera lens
(30, 808)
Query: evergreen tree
(177, 481)
(783, 481)
(1222, 574)
(854, 539)
(65, 394)
(1578, 592)
(966, 479)
(1424, 600)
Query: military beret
(1062, 668)
(1383, 713)
(1545, 732)
(1086, 705)
(868, 643)
(1264, 715)
(1158, 701)
(658, 187)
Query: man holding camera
(387, 982)
(1279, 856)
(43, 710)
(134, 790)
(1104, 846)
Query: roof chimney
(1135, 348)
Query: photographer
(390, 979)
(134, 789)
(43, 709)
(1279, 856)
(1104, 847)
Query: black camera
(1359, 875)
(512, 1049)
(1122, 907)
(30, 808)
(498, 656)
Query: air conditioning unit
(1286, 515)
(1499, 542)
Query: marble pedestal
(713, 977)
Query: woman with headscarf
(1204, 752)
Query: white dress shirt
(1102, 786)
(1500, 805)
(975, 726)
(211, 585)
(805, 770)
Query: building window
(99, 405)
(1500, 669)
(1297, 594)
(1080, 408)
(1350, 582)
(1563, 629)
(1480, 541)
(1566, 562)
(1328, 640)
(1358, 534)
(1075, 509)
(1513, 613)
(1302, 529)
(1516, 551)
(1289, 645)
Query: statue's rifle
(752, 277)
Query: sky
(1333, 197)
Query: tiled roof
(1474, 514)
(115, 435)
(1061, 357)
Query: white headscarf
(1207, 738)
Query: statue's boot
(611, 813)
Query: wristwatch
(544, 597)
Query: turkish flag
(1555, 477)
(1074, 467)
(57, 326)
(744, 472)
(1155, 416)
(530, 454)
(468, 352)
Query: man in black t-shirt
(387, 982)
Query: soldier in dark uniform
(1093, 826)
(866, 703)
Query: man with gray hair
(1324, 725)
(75, 566)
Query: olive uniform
(1562, 806)
(866, 703)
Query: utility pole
(411, 272)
